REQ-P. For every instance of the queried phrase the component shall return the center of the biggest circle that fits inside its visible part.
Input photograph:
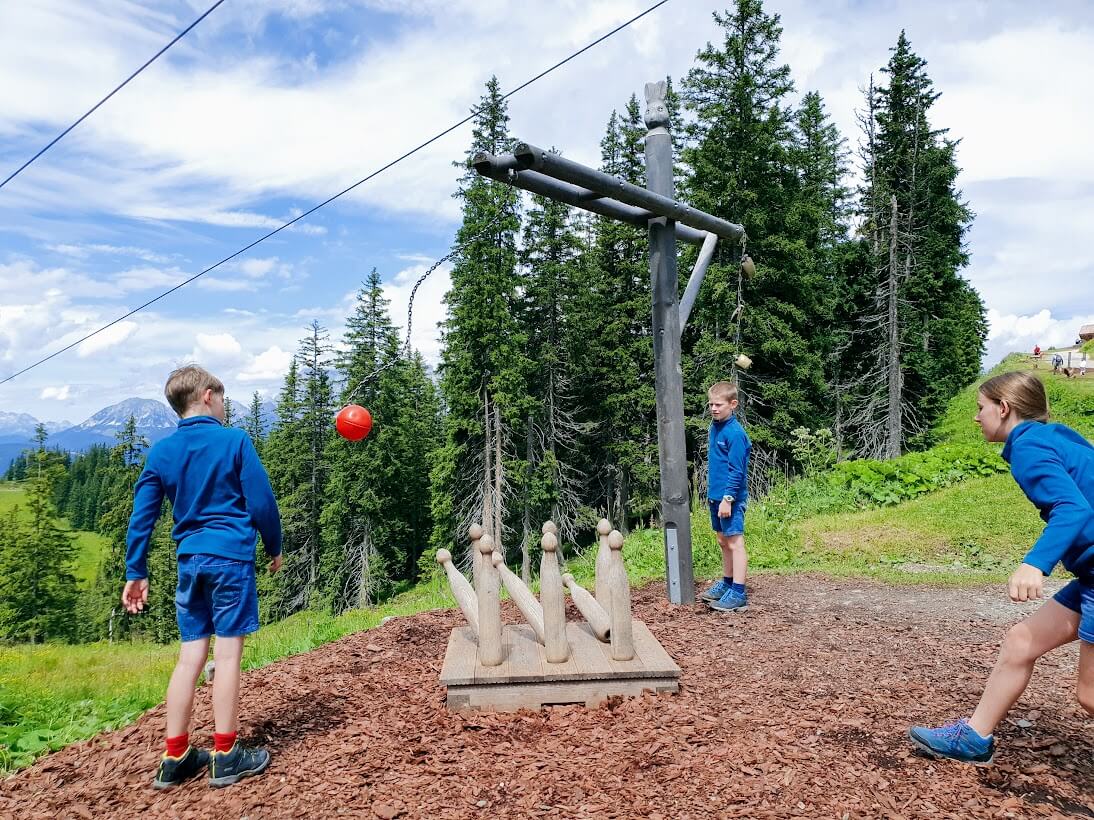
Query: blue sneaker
(715, 592)
(730, 602)
(955, 741)
(174, 771)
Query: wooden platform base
(525, 680)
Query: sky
(271, 106)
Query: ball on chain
(353, 422)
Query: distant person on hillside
(1082, 365)
(221, 501)
(1054, 466)
(727, 496)
(1057, 360)
(1036, 351)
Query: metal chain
(405, 347)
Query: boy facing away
(727, 496)
(221, 499)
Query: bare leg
(180, 691)
(738, 558)
(1086, 676)
(227, 652)
(727, 555)
(1050, 626)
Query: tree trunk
(893, 421)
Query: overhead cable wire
(331, 199)
(95, 107)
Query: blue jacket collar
(1019, 431)
(190, 422)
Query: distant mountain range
(155, 421)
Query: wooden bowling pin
(461, 589)
(474, 533)
(603, 566)
(590, 610)
(556, 647)
(622, 635)
(522, 596)
(488, 593)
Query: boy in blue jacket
(221, 500)
(1054, 466)
(727, 496)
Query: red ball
(353, 422)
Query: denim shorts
(1078, 596)
(734, 525)
(216, 596)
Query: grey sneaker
(239, 762)
(176, 771)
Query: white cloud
(270, 364)
(106, 339)
(429, 308)
(58, 393)
(217, 346)
(1010, 332)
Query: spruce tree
(483, 363)
(254, 423)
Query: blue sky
(272, 105)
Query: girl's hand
(1026, 584)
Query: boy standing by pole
(221, 500)
(727, 496)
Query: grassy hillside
(89, 545)
(972, 531)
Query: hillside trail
(795, 708)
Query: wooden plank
(569, 669)
(526, 660)
(500, 672)
(656, 662)
(513, 696)
(460, 658)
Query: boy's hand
(275, 564)
(135, 595)
(725, 509)
(1026, 584)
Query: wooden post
(474, 533)
(622, 636)
(522, 596)
(487, 592)
(603, 566)
(557, 648)
(590, 610)
(668, 372)
(461, 590)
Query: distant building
(1086, 332)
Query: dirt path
(796, 708)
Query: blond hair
(186, 384)
(1024, 392)
(727, 390)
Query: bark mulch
(797, 708)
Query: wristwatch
(728, 498)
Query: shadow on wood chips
(796, 708)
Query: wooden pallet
(525, 680)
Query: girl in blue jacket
(1054, 466)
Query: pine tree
(741, 158)
(482, 365)
(37, 584)
(254, 423)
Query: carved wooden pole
(461, 590)
(522, 596)
(487, 592)
(668, 373)
(603, 566)
(556, 647)
(590, 610)
(474, 533)
(622, 636)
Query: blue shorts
(734, 525)
(216, 596)
(1078, 596)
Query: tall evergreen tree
(254, 423)
(482, 366)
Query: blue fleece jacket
(219, 492)
(1054, 466)
(727, 461)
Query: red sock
(177, 746)
(224, 742)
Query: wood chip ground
(796, 708)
